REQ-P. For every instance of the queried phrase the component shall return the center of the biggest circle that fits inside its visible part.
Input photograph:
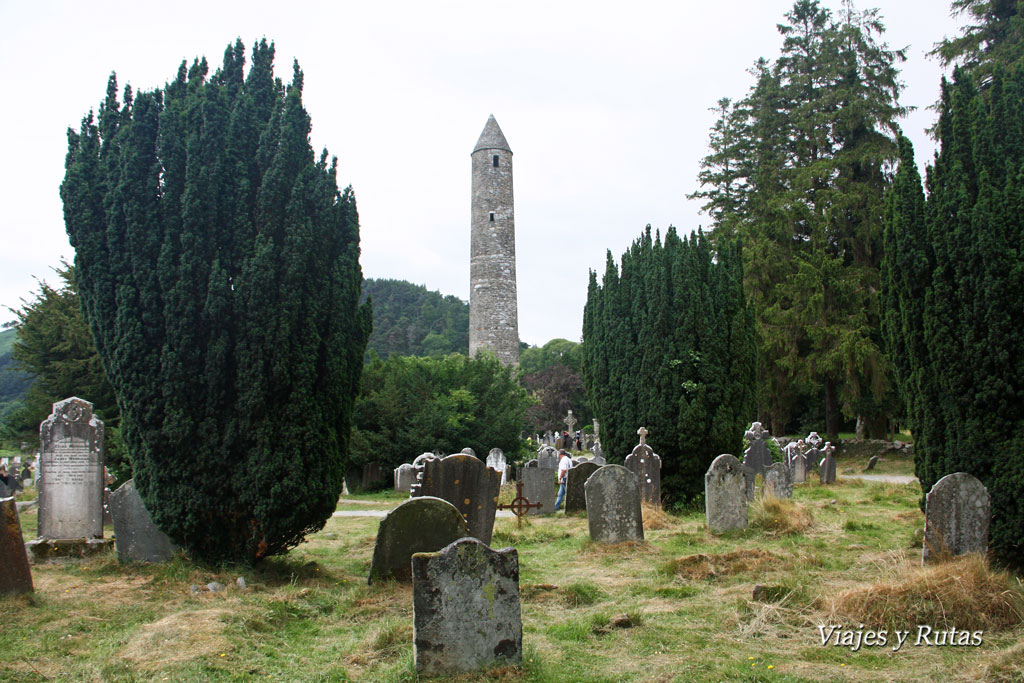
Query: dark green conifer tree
(668, 344)
(218, 268)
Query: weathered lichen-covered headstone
(136, 537)
(778, 480)
(547, 457)
(405, 477)
(539, 487)
(575, 496)
(957, 514)
(468, 484)
(725, 499)
(757, 456)
(15, 575)
(71, 486)
(646, 465)
(496, 461)
(827, 465)
(466, 612)
(872, 461)
(419, 525)
(614, 514)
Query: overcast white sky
(605, 106)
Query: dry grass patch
(1004, 665)
(964, 593)
(656, 518)
(704, 566)
(777, 517)
(177, 638)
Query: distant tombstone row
(958, 511)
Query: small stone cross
(571, 422)
(643, 435)
(520, 505)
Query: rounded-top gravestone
(575, 495)
(614, 514)
(419, 525)
(71, 485)
(725, 495)
(957, 514)
(468, 484)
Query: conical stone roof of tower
(492, 137)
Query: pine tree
(218, 267)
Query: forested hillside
(410, 320)
(13, 382)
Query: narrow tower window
(495, 161)
(492, 216)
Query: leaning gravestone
(827, 465)
(419, 525)
(15, 575)
(469, 485)
(646, 465)
(538, 487)
(71, 485)
(547, 458)
(496, 461)
(136, 537)
(757, 456)
(956, 517)
(613, 505)
(405, 477)
(778, 481)
(872, 461)
(575, 496)
(466, 612)
(725, 499)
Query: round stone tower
(493, 307)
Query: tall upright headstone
(547, 457)
(725, 496)
(827, 465)
(71, 482)
(405, 477)
(493, 304)
(757, 456)
(496, 461)
(957, 513)
(570, 422)
(614, 514)
(646, 465)
(15, 575)
(576, 478)
(468, 484)
(465, 607)
(538, 487)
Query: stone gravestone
(531, 463)
(539, 487)
(71, 485)
(827, 466)
(570, 422)
(468, 451)
(575, 496)
(423, 457)
(496, 461)
(136, 537)
(598, 454)
(957, 512)
(468, 484)
(419, 525)
(613, 505)
(872, 461)
(814, 455)
(757, 456)
(547, 457)
(15, 575)
(778, 480)
(4, 491)
(799, 465)
(725, 500)
(646, 465)
(405, 477)
(466, 612)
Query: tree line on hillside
(410, 320)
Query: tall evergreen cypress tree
(218, 268)
(953, 297)
(668, 344)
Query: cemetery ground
(679, 607)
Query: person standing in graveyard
(564, 463)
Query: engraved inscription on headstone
(71, 481)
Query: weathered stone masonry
(493, 305)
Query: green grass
(676, 608)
